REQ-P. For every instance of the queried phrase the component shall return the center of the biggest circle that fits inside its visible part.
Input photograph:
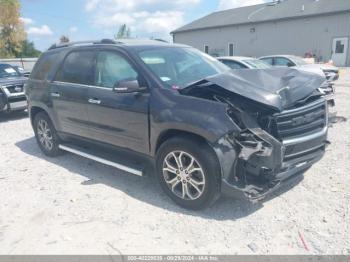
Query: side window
(78, 68)
(44, 66)
(112, 68)
(268, 60)
(280, 61)
(233, 64)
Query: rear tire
(46, 135)
(189, 172)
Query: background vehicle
(241, 62)
(331, 72)
(22, 71)
(12, 97)
(206, 130)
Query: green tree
(29, 50)
(11, 29)
(123, 32)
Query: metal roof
(267, 12)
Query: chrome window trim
(82, 85)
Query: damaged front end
(272, 145)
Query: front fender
(204, 118)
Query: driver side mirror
(128, 86)
(290, 64)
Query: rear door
(120, 119)
(69, 92)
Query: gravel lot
(70, 205)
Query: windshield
(7, 71)
(179, 67)
(257, 64)
(298, 61)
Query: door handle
(94, 101)
(55, 94)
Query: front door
(69, 92)
(120, 119)
(340, 50)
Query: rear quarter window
(268, 60)
(46, 64)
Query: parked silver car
(242, 62)
(331, 72)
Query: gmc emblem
(308, 118)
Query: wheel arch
(171, 133)
(34, 110)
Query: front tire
(189, 172)
(46, 135)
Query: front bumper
(328, 90)
(332, 75)
(255, 163)
(283, 178)
(12, 101)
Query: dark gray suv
(153, 107)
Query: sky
(46, 21)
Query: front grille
(301, 121)
(15, 88)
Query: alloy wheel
(45, 135)
(183, 175)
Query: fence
(26, 63)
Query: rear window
(233, 64)
(44, 66)
(78, 68)
(257, 64)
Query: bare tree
(64, 39)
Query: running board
(104, 160)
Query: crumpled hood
(278, 88)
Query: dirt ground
(70, 205)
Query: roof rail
(93, 42)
